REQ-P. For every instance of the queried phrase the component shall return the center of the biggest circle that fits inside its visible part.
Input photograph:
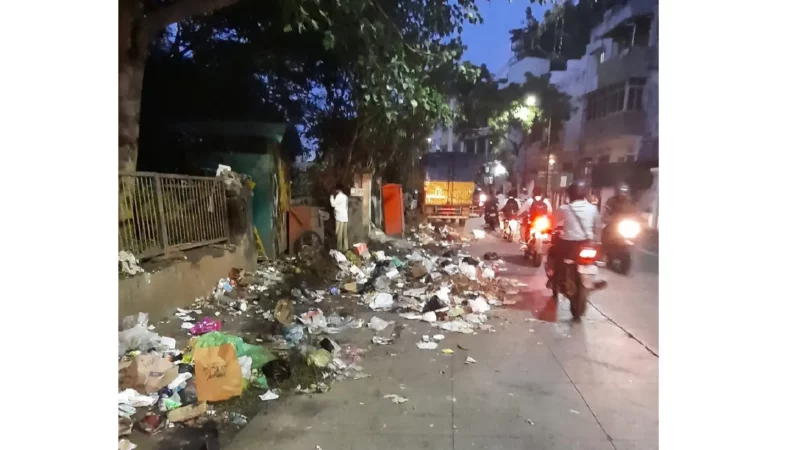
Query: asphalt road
(541, 381)
(630, 301)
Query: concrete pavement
(540, 382)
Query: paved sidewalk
(583, 386)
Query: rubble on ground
(302, 305)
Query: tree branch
(181, 10)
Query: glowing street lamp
(530, 100)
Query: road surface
(540, 381)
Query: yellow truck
(449, 186)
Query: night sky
(489, 43)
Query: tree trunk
(132, 57)
(131, 75)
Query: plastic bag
(140, 319)
(206, 326)
(319, 357)
(219, 376)
(137, 338)
(246, 363)
(259, 355)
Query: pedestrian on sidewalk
(339, 204)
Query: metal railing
(160, 212)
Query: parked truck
(449, 185)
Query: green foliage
(564, 31)
(506, 111)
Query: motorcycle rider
(491, 207)
(511, 208)
(536, 206)
(581, 226)
(619, 203)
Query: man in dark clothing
(620, 204)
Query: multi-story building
(614, 95)
(621, 113)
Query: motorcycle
(576, 279)
(491, 218)
(618, 238)
(510, 228)
(537, 240)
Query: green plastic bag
(258, 354)
(260, 382)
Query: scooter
(618, 240)
(538, 240)
(576, 279)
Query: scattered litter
(479, 305)
(125, 444)
(438, 337)
(429, 317)
(447, 351)
(206, 326)
(470, 360)
(479, 234)
(269, 395)
(378, 324)
(396, 398)
(128, 263)
(427, 345)
(187, 412)
(379, 340)
(382, 301)
(529, 421)
(573, 411)
(284, 312)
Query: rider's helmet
(623, 189)
(512, 193)
(577, 190)
(538, 193)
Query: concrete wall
(180, 283)
(176, 283)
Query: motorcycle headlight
(629, 229)
(482, 198)
(513, 224)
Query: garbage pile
(166, 383)
(452, 291)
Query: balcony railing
(159, 213)
(634, 62)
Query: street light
(552, 162)
(530, 100)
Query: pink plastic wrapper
(206, 326)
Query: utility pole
(547, 172)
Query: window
(611, 100)
(635, 94)
(602, 57)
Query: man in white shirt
(580, 220)
(339, 204)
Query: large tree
(389, 45)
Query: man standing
(339, 204)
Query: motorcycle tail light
(586, 256)
(541, 223)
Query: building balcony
(622, 123)
(634, 62)
(617, 16)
